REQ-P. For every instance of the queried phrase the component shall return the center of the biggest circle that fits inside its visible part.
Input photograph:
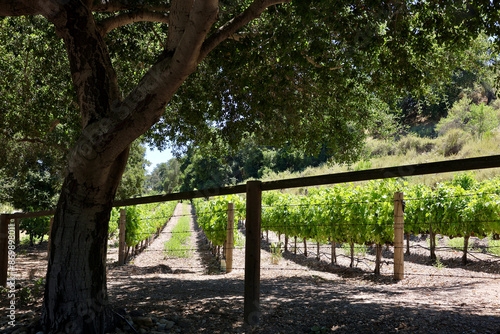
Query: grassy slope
(412, 150)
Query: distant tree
(203, 172)
(475, 119)
(165, 177)
(34, 185)
(172, 180)
(476, 71)
(132, 182)
(154, 181)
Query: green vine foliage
(364, 214)
(212, 216)
(142, 221)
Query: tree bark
(75, 292)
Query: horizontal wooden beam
(206, 193)
(32, 214)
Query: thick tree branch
(180, 12)
(121, 5)
(201, 19)
(127, 18)
(94, 78)
(232, 26)
(146, 103)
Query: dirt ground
(157, 294)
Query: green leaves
(363, 214)
(142, 221)
(212, 216)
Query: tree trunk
(317, 249)
(407, 243)
(466, 246)
(378, 258)
(432, 244)
(334, 255)
(286, 243)
(75, 292)
(295, 246)
(352, 254)
(305, 247)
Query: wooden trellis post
(121, 242)
(17, 238)
(251, 311)
(230, 237)
(4, 241)
(398, 236)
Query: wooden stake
(398, 236)
(4, 242)
(230, 237)
(351, 244)
(16, 222)
(121, 240)
(334, 255)
(251, 313)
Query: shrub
(35, 227)
(415, 143)
(453, 142)
(472, 118)
(465, 180)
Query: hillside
(413, 149)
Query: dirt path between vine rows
(156, 294)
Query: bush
(471, 118)
(380, 148)
(453, 142)
(415, 143)
(6, 208)
(35, 227)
